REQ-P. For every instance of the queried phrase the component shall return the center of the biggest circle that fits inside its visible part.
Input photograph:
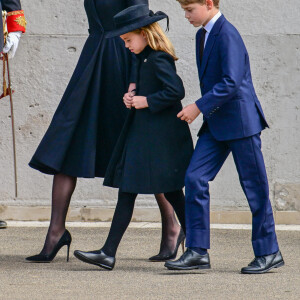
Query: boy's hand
(127, 99)
(139, 102)
(189, 113)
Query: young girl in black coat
(155, 147)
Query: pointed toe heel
(65, 240)
(164, 257)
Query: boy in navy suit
(233, 121)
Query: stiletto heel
(65, 240)
(160, 257)
(68, 253)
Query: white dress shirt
(209, 26)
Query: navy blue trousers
(207, 160)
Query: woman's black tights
(123, 215)
(62, 190)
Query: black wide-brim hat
(134, 17)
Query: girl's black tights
(123, 215)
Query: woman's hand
(139, 102)
(128, 100)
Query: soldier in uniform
(16, 25)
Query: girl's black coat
(155, 147)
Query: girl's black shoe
(65, 240)
(169, 256)
(97, 257)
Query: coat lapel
(198, 51)
(95, 14)
(209, 45)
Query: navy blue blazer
(8, 5)
(229, 103)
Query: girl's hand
(132, 86)
(128, 100)
(139, 102)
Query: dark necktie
(202, 42)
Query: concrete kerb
(148, 215)
(142, 225)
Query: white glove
(12, 42)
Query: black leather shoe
(98, 258)
(3, 224)
(190, 260)
(263, 264)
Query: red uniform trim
(16, 21)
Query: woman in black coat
(88, 122)
(155, 147)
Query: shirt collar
(209, 26)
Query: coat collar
(210, 25)
(145, 53)
(209, 45)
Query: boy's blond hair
(157, 39)
(187, 2)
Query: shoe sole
(164, 260)
(84, 259)
(202, 267)
(161, 260)
(39, 261)
(278, 265)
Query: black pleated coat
(91, 114)
(155, 147)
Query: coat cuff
(206, 110)
(16, 21)
(202, 108)
(151, 106)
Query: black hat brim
(131, 27)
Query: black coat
(91, 114)
(155, 147)
(8, 5)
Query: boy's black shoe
(190, 260)
(3, 224)
(263, 264)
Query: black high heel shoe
(164, 257)
(65, 240)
